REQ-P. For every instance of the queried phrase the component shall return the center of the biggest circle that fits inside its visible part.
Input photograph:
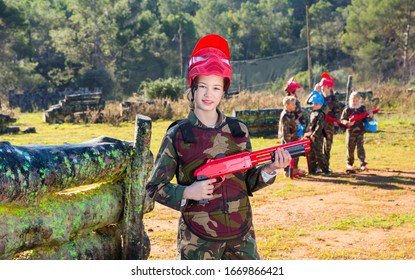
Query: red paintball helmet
(211, 56)
(326, 80)
(291, 86)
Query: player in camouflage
(355, 132)
(287, 130)
(221, 228)
(332, 108)
(293, 89)
(316, 132)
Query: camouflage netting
(76, 201)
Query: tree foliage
(118, 44)
(376, 34)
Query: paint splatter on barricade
(76, 201)
(263, 122)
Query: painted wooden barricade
(76, 201)
(262, 122)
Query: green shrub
(171, 88)
(97, 78)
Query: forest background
(123, 45)
(120, 45)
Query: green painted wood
(137, 173)
(59, 218)
(102, 244)
(29, 173)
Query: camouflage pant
(354, 140)
(328, 142)
(316, 158)
(192, 247)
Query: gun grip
(201, 178)
(291, 168)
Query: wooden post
(308, 49)
(349, 88)
(180, 31)
(134, 245)
(405, 47)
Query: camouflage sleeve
(286, 133)
(365, 110)
(337, 109)
(159, 185)
(345, 115)
(318, 126)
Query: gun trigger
(219, 180)
(272, 157)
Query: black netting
(258, 74)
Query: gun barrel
(362, 115)
(246, 160)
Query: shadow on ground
(383, 179)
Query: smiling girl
(221, 228)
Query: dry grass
(364, 216)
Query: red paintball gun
(220, 167)
(330, 119)
(362, 115)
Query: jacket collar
(196, 122)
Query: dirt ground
(321, 218)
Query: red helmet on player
(291, 86)
(211, 56)
(326, 80)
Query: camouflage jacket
(359, 126)
(287, 129)
(228, 215)
(317, 124)
(332, 106)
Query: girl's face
(355, 101)
(209, 92)
(290, 107)
(315, 106)
(296, 93)
(326, 90)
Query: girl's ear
(193, 90)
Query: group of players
(320, 127)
